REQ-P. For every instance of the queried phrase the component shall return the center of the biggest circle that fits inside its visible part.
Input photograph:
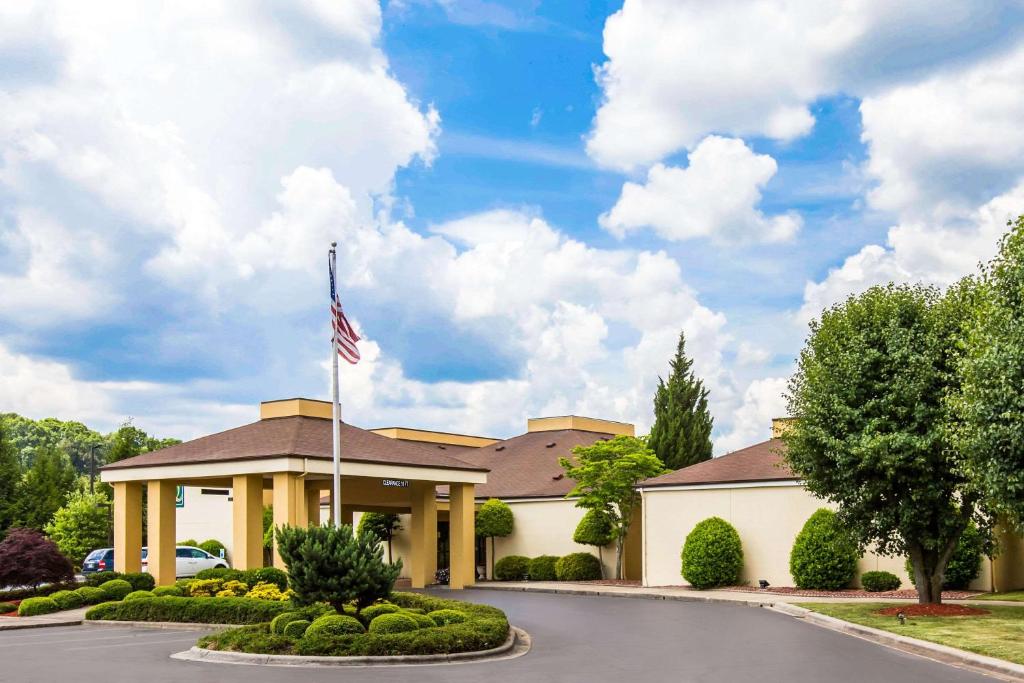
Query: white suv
(189, 560)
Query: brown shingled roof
(525, 466)
(298, 436)
(760, 462)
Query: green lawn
(1000, 634)
(1012, 596)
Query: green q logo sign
(179, 497)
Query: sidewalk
(758, 599)
(71, 617)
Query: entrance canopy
(289, 452)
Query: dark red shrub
(28, 558)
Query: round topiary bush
(140, 581)
(578, 567)
(512, 568)
(965, 564)
(8, 607)
(138, 595)
(712, 554)
(266, 575)
(374, 611)
(421, 619)
(393, 623)
(116, 589)
(173, 591)
(443, 617)
(31, 607)
(278, 623)
(67, 599)
(543, 568)
(90, 595)
(296, 629)
(331, 625)
(878, 582)
(824, 555)
(213, 546)
(221, 573)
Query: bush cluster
(296, 629)
(189, 610)
(543, 568)
(67, 599)
(824, 555)
(334, 625)
(41, 591)
(578, 567)
(116, 589)
(877, 582)
(512, 568)
(139, 581)
(712, 554)
(31, 607)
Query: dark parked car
(100, 560)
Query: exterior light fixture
(763, 583)
(902, 617)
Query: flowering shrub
(205, 588)
(268, 591)
(233, 589)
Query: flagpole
(336, 408)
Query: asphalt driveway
(575, 638)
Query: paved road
(576, 638)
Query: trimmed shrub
(443, 617)
(374, 611)
(67, 599)
(543, 568)
(712, 554)
(7, 607)
(205, 588)
(185, 585)
(189, 610)
(422, 620)
(578, 567)
(140, 581)
(296, 629)
(38, 592)
(334, 625)
(824, 555)
(28, 558)
(393, 623)
(266, 575)
(213, 546)
(877, 582)
(965, 564)
(90, 595)
(233, 589)
(116, 589)
(100, 578)
(30, 607)
(512, 568)
(221, 573)
(173, 591)
(278, 623)
(267, 591)
(136, 595)
(189, 541)
(256, 638)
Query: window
(183, 552)
(199, 554)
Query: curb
(161, 625)
(39, 624)
(517, 644)
(941, 653)
(633, 596)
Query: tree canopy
(81, 526)
(681, 433)
(606, 474)
(10, 478)
(44, 488)
(383, 525)
(870, 395)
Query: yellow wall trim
(428, 436)
(586, 424)
(291, 407)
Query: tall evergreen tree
(10, 477)
(681, 434)
(45, 488)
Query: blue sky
(531, 199)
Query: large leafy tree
(28, 436)
(44, 488)
(81, 526)
(493, 520)
(10, 478)
(870, 395)
(990, 407)
(606, 474)
(383, 525)
(681, 434)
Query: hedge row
(572, 567)
(189, 610)
(139, 581)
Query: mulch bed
(933, 611)
(15, 612)
(851, 593)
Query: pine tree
(45, 488)
(10, 477)
(681, 434)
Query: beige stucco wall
(204, 517)
(767, 518)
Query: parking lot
(575, 638)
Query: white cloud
(715, 196)
(763, 400)
(678, 70)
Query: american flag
(345, 337)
